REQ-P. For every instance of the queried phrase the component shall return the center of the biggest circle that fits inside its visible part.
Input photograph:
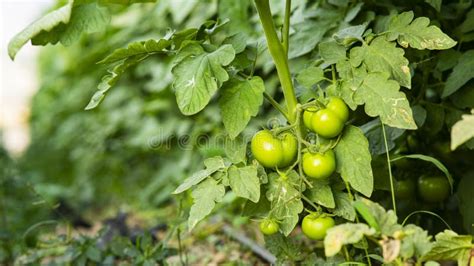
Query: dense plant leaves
(47, 23)
(240, 100)
(205, 196)
(382, 56)
(466, 201)
(344, 206)
(350, 35)
(286, 203)
(344, 234)
(462, 131)
(331, 52)
(462, 73)
(198, 76)
(353, 160)
(148, 47)
(306, 35)
(432, 160)
(321, 194)
(310, 76)
(417, 33)
(245, 182)
(285, 249)
(213, 165)
(386, 220)
(450, 245)
(383, 98)
(373, 132)
(416, 242)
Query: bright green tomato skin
(316, 228)
(267, 149)
(339, 107)
(326, 123)
(319, 166)
(405, 189)
(269, 227)
(433, 189)
(289, 144)
(307, 117)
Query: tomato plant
(271, 85)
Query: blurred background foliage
(128, 155)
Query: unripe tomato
(405, 189)
(307, 115)
(316, 227)
(289, 144)
(339, 107)
(269, 227)
(319, 165)
(267, 149)
(433, 189)
(326, 123)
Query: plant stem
(389, 169)
(279, 57)
(275, 104)
(286, 27)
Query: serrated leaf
(240, 100)
(386, 220)
(432, 160)
(383, 56)
(148, 47)
(212, 164)
(283, 248)
(462, 73)
(46, 23)
(451, 246)
(344, 234)
(344, 206)
(286, 203)
(245, 182)
(353, 160)
(415, 243)
(199, 75)
(462, 131)
(321, 194)
(417, 33)
(306, 35)
(310, 76)
(205, 197)
(331, 52)
(383, 98)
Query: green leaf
(285, 249)
(432, 160)
(350, 35)
(205, 197)
(198, 76)
(331, 52)
(213, 165)
(310, 76)
(415, 243)
(384, 56)
(321, 194)
(235, 149)
(373, 132)
(245, 182)
(47, 23)
(462, 131)
(417, 33)
(125, 2)
(364, 211)
(344, 206)
(306, 36)
(286, 203)
(462, 73)
(451, 246)
(141, 48)
(383, 98)
(466, 201)
(353, 160)
(344, 234)
(436, 4)
(386, 220)
(240, 100)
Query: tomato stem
(279, 56)
(286, 27)
(392, 190)
(275, 104)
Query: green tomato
(319, 165)
(433, 189)
(289, 144)
(267, 149)
(307, 115)
(326, 123)
(269, 227)
(316, 227)
(405, 189)
(339, 107)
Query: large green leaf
(344, 234)
(240, 100)
(462, 73)
(353, 160)
(198, 76)
(205, 197)
(417, 33)
(212, 165)
(451, 246)
(383, 98)
(383, 56)
(244, 182)
(321, 194)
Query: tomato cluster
(274, 151)
(327, 122)
(431, 189)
